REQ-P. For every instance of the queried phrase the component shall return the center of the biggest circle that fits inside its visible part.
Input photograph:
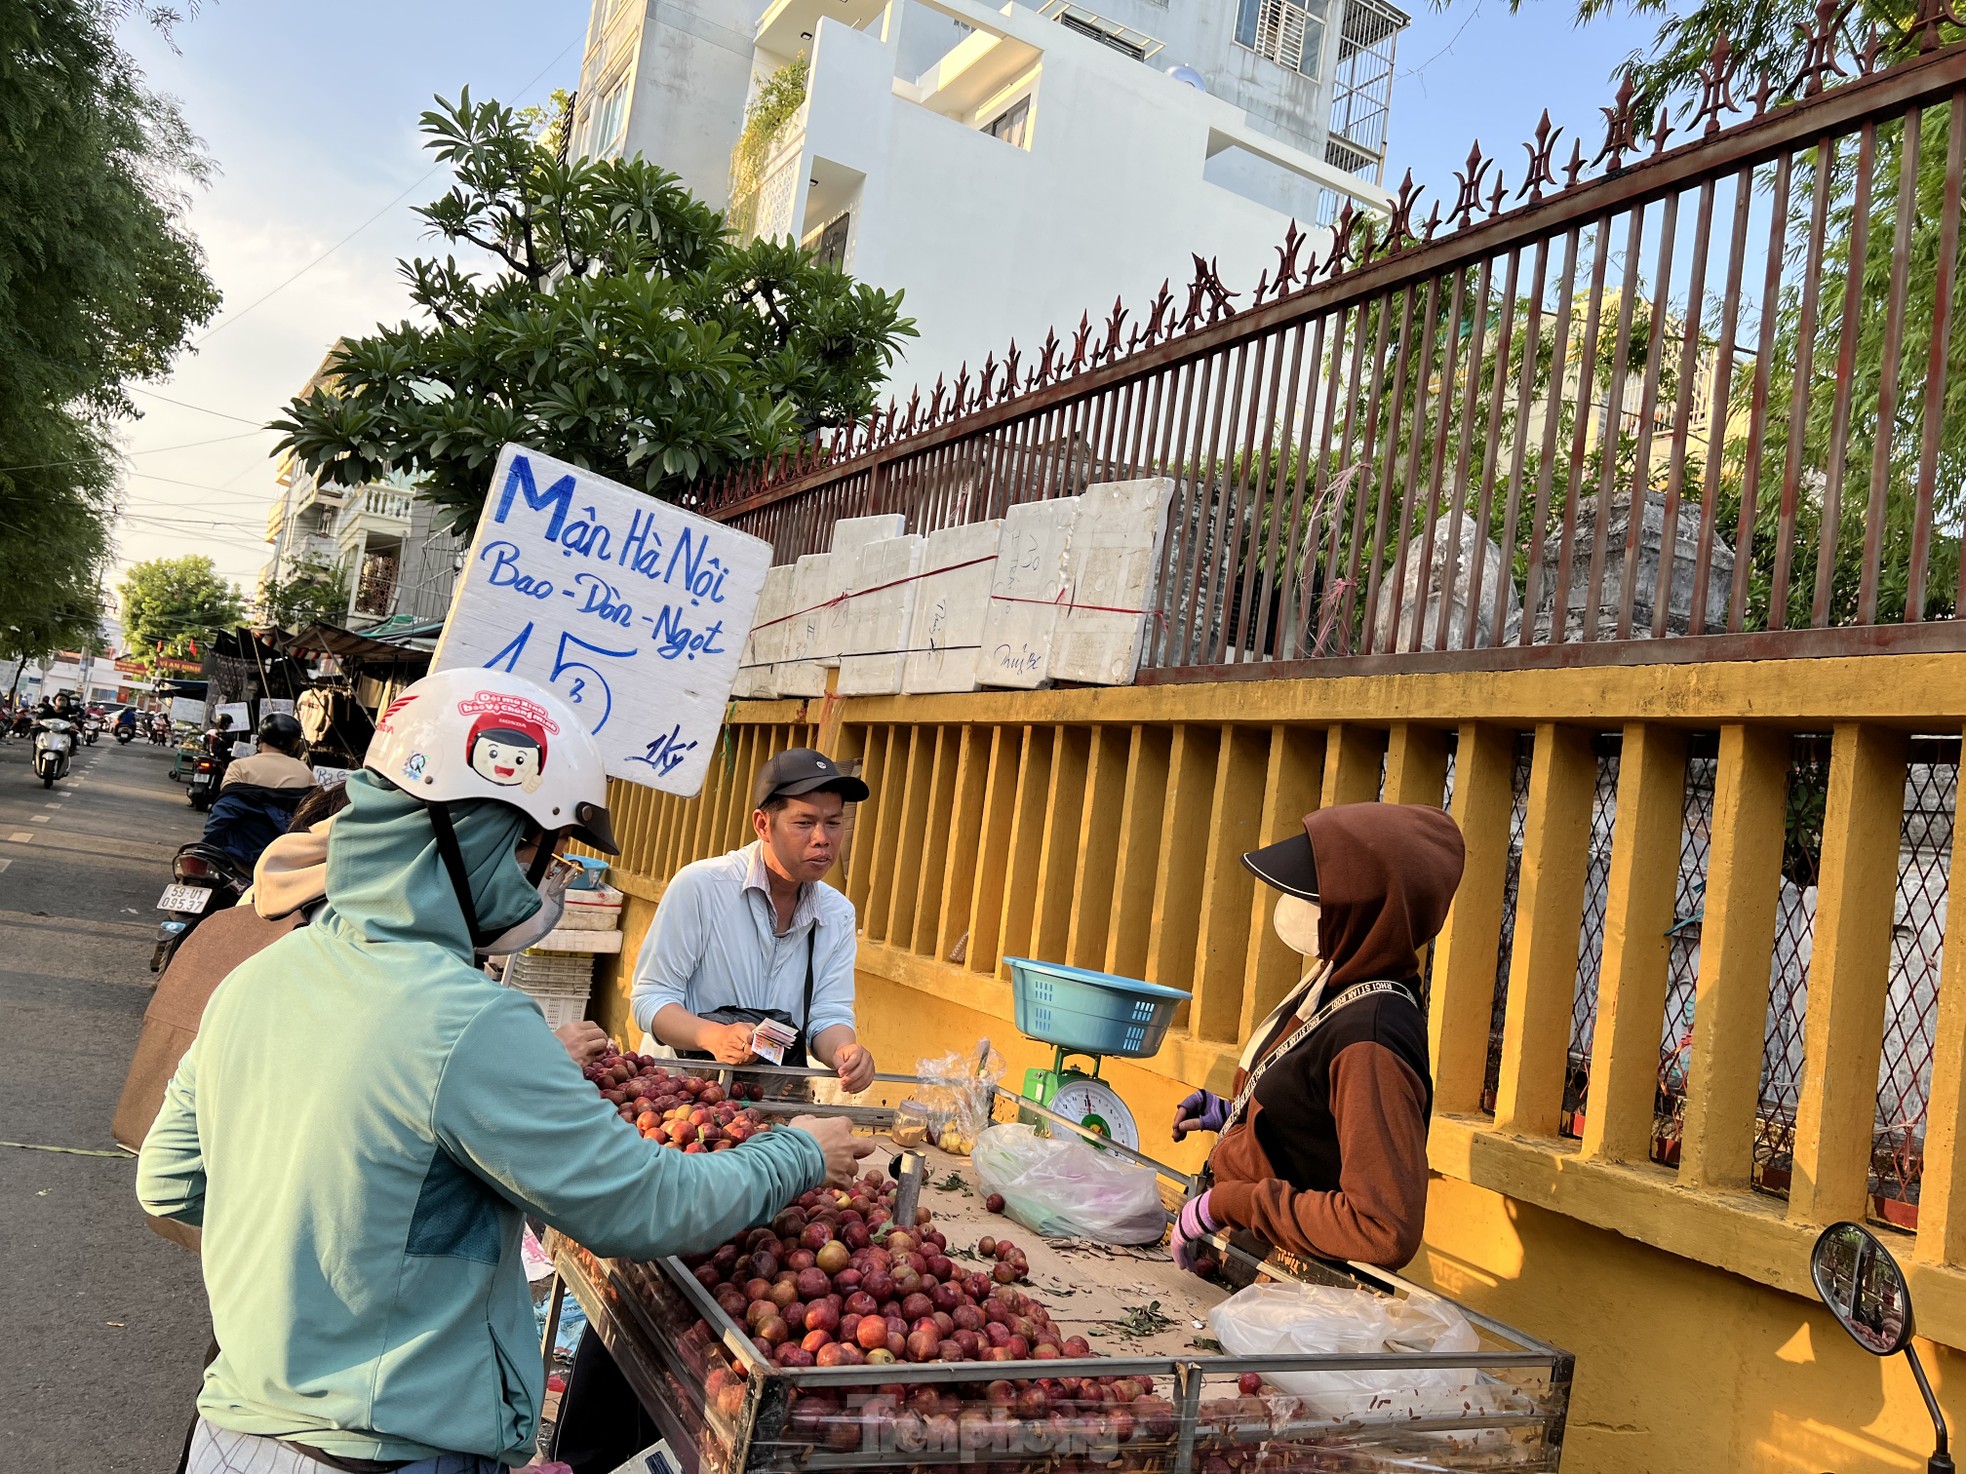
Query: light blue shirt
(714, 944)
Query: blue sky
(309, 112)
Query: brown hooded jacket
(1331, 1156)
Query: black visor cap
(800, 771)
(1288, 865)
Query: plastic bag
(1064, 1188)
(955, 1098)
(1266, 1320)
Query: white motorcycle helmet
(486, 734)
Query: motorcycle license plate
(183, 898)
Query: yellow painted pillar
(1222, 949)
(1942, 1192)
(1849, 974)
(919, 816)
(1184, 847)
(1737, 939)
(1098, 846)
(1026, 853)
(860, 854)
(965, 839)
(1290, 791)
(1058, 857)
(1463, 990)
(999, 819)
(904, 756)
(1416, 764)
(1137, 860)
(1632, 975)
(1549, 908)
(1352, 757)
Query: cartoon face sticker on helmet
(508, 740)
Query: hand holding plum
(843, 1149)
(585, 1041)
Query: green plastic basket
(1089, 1012)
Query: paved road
(105, 1324)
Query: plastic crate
(1090, 1012)
(560, 1009)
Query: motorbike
(160, 733)
(1866, 1291)
(204, 881)
(91, 729)
(207, 773)
(125, 735)
(54, 748)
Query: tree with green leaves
(315, 592)
(171, 604)
(100, 286)
(619, 327)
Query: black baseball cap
(800, 770)
(1288, 865)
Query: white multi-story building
(1007, 168)
(380, 539)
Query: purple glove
(1193, 1224)
(1203, 1110)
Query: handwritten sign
(633, 611)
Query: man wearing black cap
(757, 933)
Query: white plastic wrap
(1063, 1188)
(1272, 1319)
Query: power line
(181, 404)
(154, 451)
(416, 185)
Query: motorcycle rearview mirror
(1865, 1290)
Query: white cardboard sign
(632, 610)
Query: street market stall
(1115, 1358)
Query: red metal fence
(1701, 380)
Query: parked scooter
(1865, 1290)
(54, 749)
(207, 773)
(204, 881)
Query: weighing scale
(1089, 1016)
(1081, 1097)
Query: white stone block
(851, 537)
(799, 672)
(755, 674)
(879, 611)
(951, 600)
(1110, 567)
(1025, 591)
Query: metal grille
(1280, 31)
(1525, 745)
(1788, 987)
(1904, 1077)
(1590, 934)
(1683, 955)
(1484, 428)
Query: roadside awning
(328, 639)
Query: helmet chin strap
(453, 858)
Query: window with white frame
(609, 119)
(1288, 32)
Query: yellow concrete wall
(1100, 827)
(1681, 1367)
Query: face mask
(1296, 922)
(552, 889)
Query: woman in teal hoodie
(365, 1116)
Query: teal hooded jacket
(358, 1128)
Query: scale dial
(1096, 1106)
